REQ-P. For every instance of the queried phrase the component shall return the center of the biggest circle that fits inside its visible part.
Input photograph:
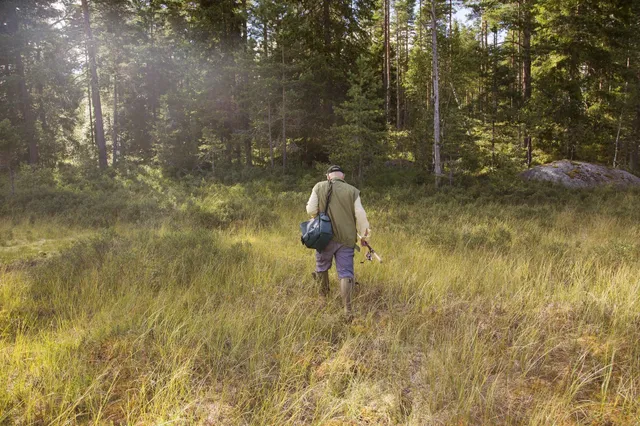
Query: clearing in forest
(510, 309)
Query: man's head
(335, 172)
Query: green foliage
(358, 141)
(9, 139)
(219, 87)
(581, 77)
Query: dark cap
(334, 169)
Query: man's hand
(364, 238)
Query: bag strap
(326, 206)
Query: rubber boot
(322, 278)
(346, 288)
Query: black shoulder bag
(317, 232)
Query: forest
(213, 87)
(155, 161)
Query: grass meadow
(156, 302)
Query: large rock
(574, 174)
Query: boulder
(575, 174)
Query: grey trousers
(344, 259)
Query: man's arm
(362, 224)
(312, 204)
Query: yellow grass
(480, 314)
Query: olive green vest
(341, 209)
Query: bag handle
(326, 206)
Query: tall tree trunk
(616, 153)
(482, 68)
(41, 111)
(420, 23)
(486, 68)
(495, 98)
(512, 85)
(152, 72)
(526, 73)
(265, 48)
(89, 103)
(12, 178)
(248, 148)
(95, 88)
(634, 156)
(526, 55)
(114, 128)
(405, 65)
(387, 61)
(284, 117)
(617, 144)
(26, 103)
(436, 95)
(520, 66)
(450, 21)
(398, 50)
(326, 23)
(248, 145)
(265, 37)
(245, 34)
(270, 138)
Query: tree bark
(617, 144)
(12, 178)
(114, 128)
(495, 98)
(526, 55)
(41, 111)
(616, 153)
(634, 156)
(26, 103)
(265, 38)
(436, 95)
(284, 117)
(420, 22)
(326, 22)
(450, 20)
(270, 138)
(526, 73)
(329, 87)
(248, 145)
(95, 88)
(405, 65)
(245, 34)
(398, 50)
(152, 72)
(265, 48)
(387, 61)
(90, 104)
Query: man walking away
(348, 218)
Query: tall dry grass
(486, 311)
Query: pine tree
(95, 87)
(358, 138)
